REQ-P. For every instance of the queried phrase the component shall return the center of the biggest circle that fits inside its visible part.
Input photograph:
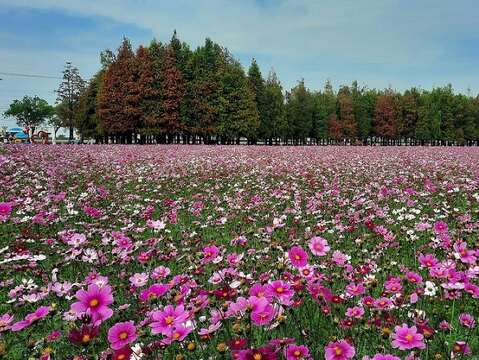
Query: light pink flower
(318, 246)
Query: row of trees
(167, 93)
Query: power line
(30, 75)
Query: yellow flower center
(297, 257)
(169, 320)
(85, 338)
(279, 289)
(409, 337)
(121, 357)
(257, 356)
(176, 335)
(123, 335)
(338, 350)
(297, 353)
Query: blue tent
(21, 135)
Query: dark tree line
(168, 93)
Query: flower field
(250, 253)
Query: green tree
(274, 120)
(238, 116)
(257, 86)
(30, 112)
(69, 93)
(87, 120)
(299, 112)
(346, 113)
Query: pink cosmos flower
(355, 312)
(295, 352)
(122, 334)
(94, 302)
(467, 320)
(121, 240)
(280, 290)
(440, 227)
(385, 357)
(5, 210)
(393, 285)
(413, 277)
(154, 291)
(264, 353)
(383, 303)
(92, 212)
(461, 252)
(355, 289)
(178, 333)
(38, 314)
(405, 338)
(318, 246)
(298, 257)
(339, 350)
(76, 240)
(263, 311)
(427, 260)
(165, 321)
(210, 253)
(5, 321)
(138, 279)
(160, 272)
(339, 258)
(259, 290)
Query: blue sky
(379, 43)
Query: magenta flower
(440, 227)
(405, 338)
(355, 312)
(122, 334)
(428, 260)
(339, 350)
(385, 357)
(413, 277)
(298, 257)
(467, 320)
(165, 321)
(263, 312)
(94, 302)
(393, 285)
(259, 290)
(355, 289)
(5, 321)
(210, 253)
(280, 290)
(264, 353)
(461, 252)
(154, 291)
(38, 314)
(178, 333)
(318, 246)
(5, 210)
(295, 352)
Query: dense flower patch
(250, 253)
